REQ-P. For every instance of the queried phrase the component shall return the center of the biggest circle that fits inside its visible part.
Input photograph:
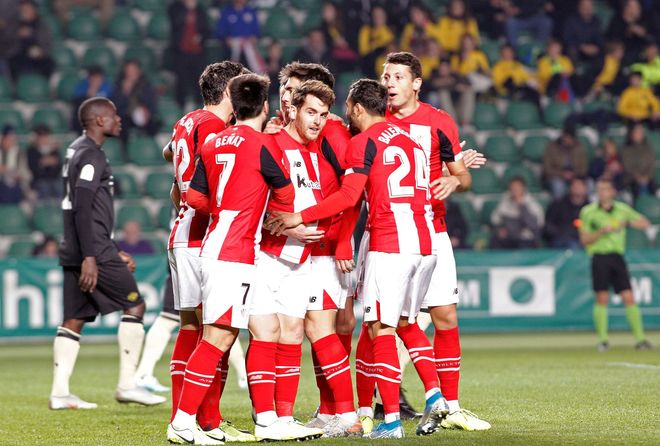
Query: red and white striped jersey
(436, 132)
(188, 136)
(306, 168)
(400, 213)
(236, 170)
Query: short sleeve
(272, 169)
(630, 213)
(92, 163)
(361, 155)
(200, 181)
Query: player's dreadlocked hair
(306, 72)
(248, 92)
(407, 59)
(315, 88)
(372, 95)
(216, 77)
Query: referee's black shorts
(116, 289)
(609, 270)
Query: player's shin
(185, 344)
(365, 380)
(130, 336)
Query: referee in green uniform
(603, 233)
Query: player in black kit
(97, 276)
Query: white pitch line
(633, 365)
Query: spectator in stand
(45, 164)
(33, 43)
(190, 29)
(517, 219)
(530, 16)
(554, 72)
(14, 174)
(455, 24)
(611, 78)
(314, 49)
(638, 162)
(238, 27)
(95, 84)
(607, 164)
(631, 26)
(135, 100)
(450, 92)
(511, 79)
(492, 15)
(457, 226)
(132, 242)
(373, 39)
(563, 159)
(430, 58)
(8, 32)
(583, 34)
(63, 8)
(342, 55)
(47, 249)
(638, 103)
(274, 63)
(650, 69)
(472, 63)
(392, 47)
(419, 29)
(560, 229)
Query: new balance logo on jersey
(297, 164)
(312, 299)
(304, 182)
(368, 309)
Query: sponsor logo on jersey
(305, 182)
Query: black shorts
(116, 289)
(609, 270)
(168, 296)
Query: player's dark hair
(215, 78)
(91, 108)
(314, 88)
(407, 59)
(307, 72)
(248, 92)
(372, 95)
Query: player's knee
(75, 325)
(137, 310)
(444, 319)
(292, 333)
(346, 322)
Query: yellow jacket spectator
(611, 66)
(508, 72)
(454, 25)
(638, 103)
(470, 59)
(420, 29)
(431, 58)
(376, 35)
(553, 64)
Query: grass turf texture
(535, 389)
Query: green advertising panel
(500, 291)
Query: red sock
(208, 415)
(347, 342)
(327, 403)
(447, 346)
(200, 373)
(185, 344)
(388, 372)
(287, 377)
(337, 371)
(260, 367)
(421, 354)
(365, 381)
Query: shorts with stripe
(330, 286)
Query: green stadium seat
(13, 118)
(502, 148)
(523, 116)
(84, 27)
(533, 148)
(21, 248)
(134, 212)
(280, 25)
(312, 20)
(54, 26)
(479, 239)
(529, 51)
(165, 215)
(653, 138)
(469, 213)
(5, 90)
(14, 220)
(213, 51)
(48, 219)
(487, 210)
(158, 27)
(66, 86)
(126, 186)
(470, 141)
(123, 27)
(149, 5)
(650, 207)
(33, 88)
(492, 50)
(101, 56)
(636, 239)
(487, 117)
(158, 185)
(52, 117)
(157, 243)
(344, 80)
(64, 57)
(114, 152)
(307, 5)
(144, 151)
(168, 113)
(533, 183)
(555, 114)
(145, 55)
(593, 106)
(485, 181)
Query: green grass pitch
(536, 389)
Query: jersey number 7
(227, 160)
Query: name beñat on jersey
(388, 134)
(229, 140)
